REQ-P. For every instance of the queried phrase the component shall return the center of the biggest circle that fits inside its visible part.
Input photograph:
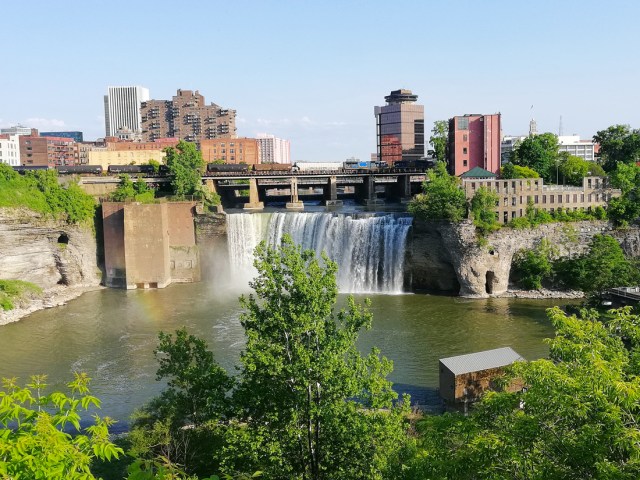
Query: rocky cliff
(444, 256)
(60, 258)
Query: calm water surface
(111, 334)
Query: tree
(439, 139)
(618, 144)
(573, 169)
(483, 206)
(531, 267)
(34, 442)
(442, 197)
(540, 153)
(185, 165)
(509, 170)
(125, 190)
(576, 419)
(313, 406)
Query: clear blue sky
(312, 71)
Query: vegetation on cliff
(40, 191)
(441, 197)
(128, 190)
(602, 267)
(11, 291)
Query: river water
(111, 334)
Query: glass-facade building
(75, 136)
(400, 128)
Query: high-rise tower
(400, 128)
(122, 109)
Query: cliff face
(53, 255)
(483, 270)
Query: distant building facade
(122, 108)
(233, 150)
(187, 117)
(400, 128)
(507, 146)
(75, 136)
(118, 152)
(474, 141)
(10, 150)
(515, 195)
(273, 150)
(18, 130)
(585, 149)
(46, 151)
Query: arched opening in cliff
(63, 239)
(489, 281)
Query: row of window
(598, 197)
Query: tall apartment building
(400, 128)
(231, 150)
(122, 108)
(10, 150)
(474, 141)
(273, 150)
(187, 117)
(47, 151)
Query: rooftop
(475, 362)
(478, 172)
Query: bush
(12, 290)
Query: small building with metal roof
(466, 377)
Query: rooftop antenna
(560, 129)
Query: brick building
(186, 117)
(47, 151)
(515, 194)
(474, 141)
(235, 150)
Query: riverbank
(542, 294)
(51, 297)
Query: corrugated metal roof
(474, 362)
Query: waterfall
(369, 249)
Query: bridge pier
(331, 193)
(401, 190)
(295, 203)
(254, 196)
(366, 193)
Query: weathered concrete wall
(483, 270)
(211, 237)
(149, 245)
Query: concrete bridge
(331, 187)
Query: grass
(12, 290)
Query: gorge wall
(59, 258)
(448, 257)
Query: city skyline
(311, 73)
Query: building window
(464, 150)
(513, 201)
(463, 123)
(465, 137)
(464, 163)
(544, 199)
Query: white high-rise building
(122, 109)
(272, 149)
(16, 130)
(10, 150)
(585, 149)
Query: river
(111, 334)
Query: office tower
(474, 141)
(122, 109)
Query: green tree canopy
(573, 169)
(509, 170)
(442, 197)
(483, 206)
(185, 165)
(576, 419)
(618, 144)
(439, 139)
(540, 153)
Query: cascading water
(369, 249)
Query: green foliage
(573, 169)
(13, 290)
(540, 153)
(603, 266)
(532, 266)
(442, 197)
(619, 144)
(128, 190)
(510, 170)
(305, 404)
(185, 165)
(625, 209)
(155, 164)
(577, 418)
(439, 139)
(535, 216)
(33, 438)
(40, 191)
(483, 205)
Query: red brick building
(231, 150)
(474, 141)
(47, 151)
